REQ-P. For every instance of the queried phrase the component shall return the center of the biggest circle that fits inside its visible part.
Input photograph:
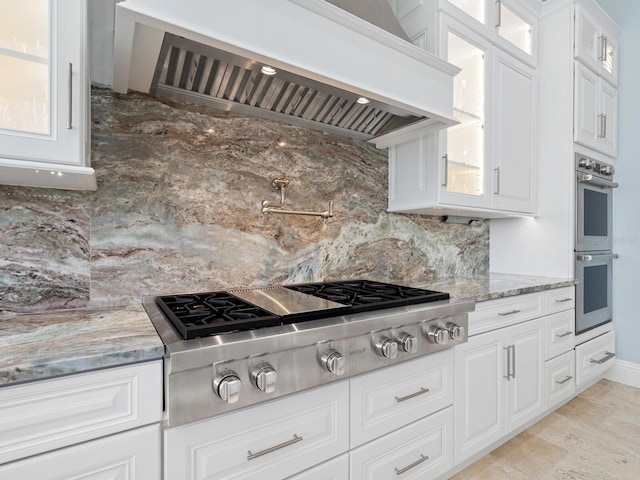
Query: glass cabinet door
(514, 29)
(463, 146)
(25, 83)
(476, 9)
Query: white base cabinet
(334, 469)
(132, 455)
(274, 440)
(421, 450)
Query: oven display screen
(595, 288)
(595, 213)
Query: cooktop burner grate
(211, 313)
(367, 295)
(202, 314)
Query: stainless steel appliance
(594, 206)
(228, 350)
(594, 243)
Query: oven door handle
(589, 258)
(591, 180)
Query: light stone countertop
(61, 342)
(495, 285)
(50, 344)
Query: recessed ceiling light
(267, 70)
(362, 100)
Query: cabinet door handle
(568, 299)
(423, 458)
(445, 157)
(295, 439)
(499, 4)
(510, 365)
(567, 378)
(70, 102)
(561, 335)
(604, 121)
(422, 391)
(607, 356)
(601, 119)
(603, 52)
(513, 362)
(497, 189)
(504, 314)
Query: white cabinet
(393, 397)
(596, 41)
(334, 469)
(514, 366)
(44, 93)
(274, 440)
(511, 24)
(134, 455)
(419, 451)
(484, 166)
(594, 358)
(498, 385)
(595, 112)
(50, 414)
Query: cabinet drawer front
(559, 333)
(50, 414)
(559, 379)
(560, 299)
(132, 455)
(334, 469)
(595, 357)
(393, 397)
(494, 314)
(421, 450)
(273, 440)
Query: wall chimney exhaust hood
(305, 62)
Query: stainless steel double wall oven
(594, 242)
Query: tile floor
(596, 436)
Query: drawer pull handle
(607, 356)
(567, 378)
(295, 439)
(560, 335)
(504, 314)
(400, 471)
(568, 299)
(422, 391)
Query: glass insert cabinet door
(463, 147)
(25, 82)
(43, 82)
(514, 29)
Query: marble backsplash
(178, 208)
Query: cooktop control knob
(386, 347)
(456, 332)
(408, 343)
(227, 386)
(333, 361)
(265, 378)
(438, 335)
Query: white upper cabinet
(482, 167)
(509, 24)
(596, 42)
(595, 112)
(44, 92)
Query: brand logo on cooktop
(358, 351)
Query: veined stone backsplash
(178, 209)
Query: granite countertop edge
(93, 339)
(85, 340)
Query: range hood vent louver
(326, 58)
(198, 73)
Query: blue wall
(626, 304)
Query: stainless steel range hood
(326, 59)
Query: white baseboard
(625, 372)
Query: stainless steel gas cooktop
(232, 349)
